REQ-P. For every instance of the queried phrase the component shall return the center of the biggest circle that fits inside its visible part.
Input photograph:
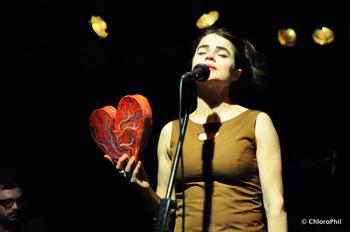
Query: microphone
(200, 72)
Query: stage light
(99, 26)
(287, 37)
(207, 20)
(323, 36)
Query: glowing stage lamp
(99, 26)
(323, 36)
(287, 37)
(207, 20)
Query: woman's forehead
(215, 40)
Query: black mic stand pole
(166, 203)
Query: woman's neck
(224, 111)
(205, 109)
(213, 96)
(214, 105)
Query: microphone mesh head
(203, 72)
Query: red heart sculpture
(124, 130)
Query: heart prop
(122, 130)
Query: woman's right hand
(135, 173)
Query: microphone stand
(166, 203)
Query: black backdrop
(56, 72)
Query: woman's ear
(236, 74)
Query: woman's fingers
(136, 172)
(108, 157)
(129, 166)
(125, 166)
(122, 162)
(137, 168)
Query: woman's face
(218, 53)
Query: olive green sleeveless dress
(221, 178)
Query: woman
(231, 168)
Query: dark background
(56, 71)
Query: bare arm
(164, 162)
(270, 169)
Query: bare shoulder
(264, 125)
(166, 130)
(263, 117)
(164, 139)
(264, 122)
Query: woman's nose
(209, 57)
